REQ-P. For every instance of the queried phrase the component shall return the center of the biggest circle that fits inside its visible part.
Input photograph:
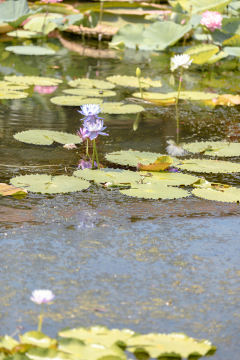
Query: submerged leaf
(46, 137)
(160, 164)
(208, 166)
(214, 148)
(47, 184)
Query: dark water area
(152, 266)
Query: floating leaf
(73, 100)
(167, 178)
(8, 86)
(10, 94)
(196, 6)
(47, 184)
(6, 190)
(42, 23)
(160, 164)
(200, 54)
(99, 335)
(233, 51)
(155, 191)
(214, 148)
(169, 345)
(225, 100)
(46, 137)
(37, 338)
(7, 342)
(208, 166)
(119, 108)
(30, 50)
(33, 80)
(91, 84)
(25, 34)
(132, 81)
(85, 92)
(38, 353)
(217, 57)
(132, 157)
(219, 193)
(115, 177)
(184, 95)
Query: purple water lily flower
(42, 296)
(86, 164)
(82, 133)
(93, 129)
(90, 112)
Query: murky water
(118, 261)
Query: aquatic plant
(42, 297)
(212, 20)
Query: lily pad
(84, 92)
(30, 50)
(32, 80)
(167, 178)
(114, 177)
(7, 342)
(25, 34)
(155, 191)
(214, 148)
(37, 338)
(120, 108)
(8, 86)
(196, 6)
(46, 137)
(132, 157)
(208, 166)
(91, 84)
(184, 95)
(200, 54)
(6, 190)
(99, 335)
(231, 50)
(46, 184)
(73, 100)
(169, 345)
(225, 194)
(10, 95)
(132, 81)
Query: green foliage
(132, 157)
(200, 54)
(168, 178)
(91, 84)
(46, 137)
(209, 166)
(32, 80)
(196, 6)
(25, 34)
(185, 95)
(120, 108)
(233, 51)
(74, 100)
(155, 191)
(218, 192)
(85, 92)
(12, 10)
(42, 23)
(132, 81)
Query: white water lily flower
(42, 296)
(177, 61)
(175, 150)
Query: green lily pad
(46, 137)
(231, 50)
(9, 95)
(30, 50)
(196, 6)
(184, 95)
(73, 100)
(209, 166)
(42, 23)
(132, 157)
(99, 335)
(91, 84)
(229, 194)
(8, 86)
(7, 342)
(200, 54)
(32, 80)
(115, 177)
(167, 178)
(132, 81)
(214, 148)
(38, 353)
(25, 34)
(155, 191)
(217, 57)
(169, 345)
(46, 184)
(119, 108)
(37, 338)
(85, 92)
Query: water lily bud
(138, 72)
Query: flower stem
(40, 321)
(96, 153)
(44, 20)
(93, 155)
(177, 112)
(87, 148)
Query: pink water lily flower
(42, 296)
(212, 20)
(45, 89)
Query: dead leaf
(225, 100)
(7, 190)
(160, 164)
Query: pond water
(153, 266)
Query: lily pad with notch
(91, 84)
(74, 100)
(208, 166)
(46, 137)
(214, 148)
(155, 191)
